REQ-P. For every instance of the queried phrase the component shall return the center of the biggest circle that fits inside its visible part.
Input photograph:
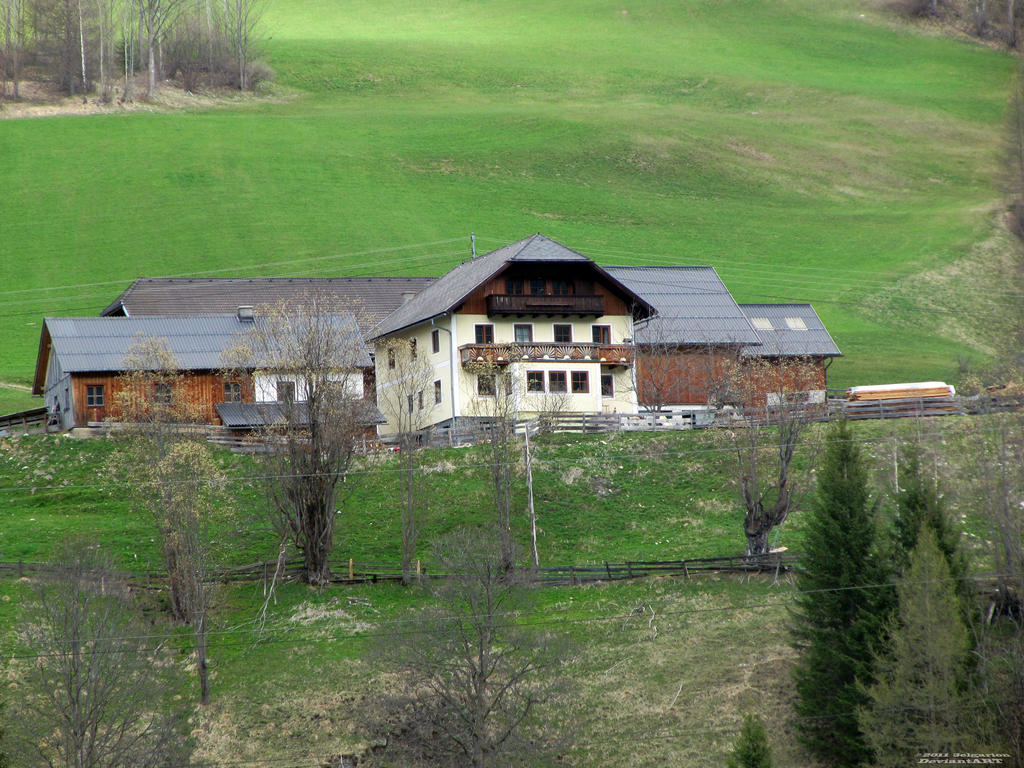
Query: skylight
(796, 324)
(761, 323)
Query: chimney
(245, 314)
(406, 295)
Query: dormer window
(538, 286)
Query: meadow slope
(809, 151)
(663, 668)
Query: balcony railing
(503, 354)
(543, 304)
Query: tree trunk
(317, 546)
(204, 672)
(81, 48)
(104, 92)
(152, 91)
(757, 542)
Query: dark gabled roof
(693, 306)
(255, 415)
(796, 331)
(94, 344)
(450, 289)
(370, 299)
(100, 343)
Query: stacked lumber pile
(893, 401)
(914, 391)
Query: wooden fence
(897, 408)
(22, 421)
(350, 572)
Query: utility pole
(529, 496)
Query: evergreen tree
(918, 502)
(837, 627)
(914, 705)
(751, 750)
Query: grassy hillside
(665, 667)
(810, 151)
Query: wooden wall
(203, 389)
(694, 375)
(583, 284)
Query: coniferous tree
(841, 609)
(915, 704)
(751, 750)
(918, 502)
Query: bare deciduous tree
(241, 22)
(156, 18)
(311, 358)
(173, 474)
(405, 394)
(773, 421)
(475, 682)
(497, 408)
(15, 36)
(96, 693)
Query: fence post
(608, 570)
(629, 569)
(686, 571)
(419, 572)
(351, 571)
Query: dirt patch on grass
(44, 100)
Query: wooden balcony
(503, 354)
(544, 304)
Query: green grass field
(810, 151)
(676, 679)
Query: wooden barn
(81, 365)
(702, 347)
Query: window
(484, 334)
(435, 341)
(563, 334)
(602, 334)
(607, 385)
(437, 392)
(408, 402)
(514, 287)
(556, 381)
(232, 392)
(561, 288)
(412, 349)
(761, 323)
(419, 400)
(94, 396)
(286, 391)
(580, 382)
(524, 334)
(535, 381)
(485, 384)
(162, 394)
(796, 324)
(538, 286)
(391, 357)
